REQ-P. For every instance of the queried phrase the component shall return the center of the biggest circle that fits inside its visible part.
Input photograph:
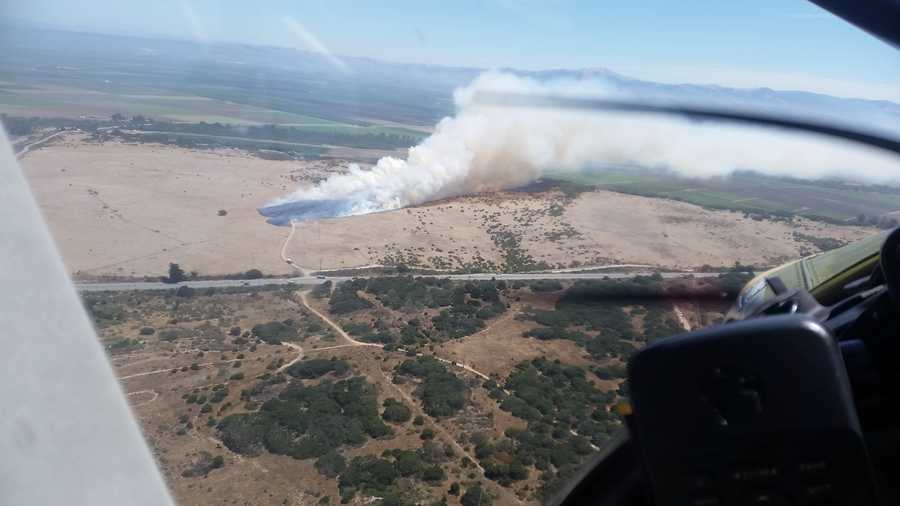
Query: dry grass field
(128, 210)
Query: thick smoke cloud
(486, 148)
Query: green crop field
(97, 76)
(749, 192)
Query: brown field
(596, 228)
(194, 347)
(129, 210)
(157, 373)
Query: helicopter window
(355, 252)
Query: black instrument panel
(758, 412)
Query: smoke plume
(485, 148)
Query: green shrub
(169, 334)
(307, 422)
(218, 395)
(345, 300)
(124, 344)
(395, 411)
(274, 332)
(567, 419)
(442, 392)
(322, 290)
(203, 465)
(434, 474)
(369, 474)
(357, 329)
(176, 274)
(331, 464)
(476, 495)
(610, 372)
(545, 285)
(317, 367)
(184, 292)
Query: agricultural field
(100, 75)
(755, 194)
(363, 143)
(178, 93)
(378, 387)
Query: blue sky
(785, 44)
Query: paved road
(310, 280)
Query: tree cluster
(345, 299)
(395, 411)
(317, 367)
(274, 332)
(378, 475)
(442, 392)
(568, 418)
(308, 421)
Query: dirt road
(445, 434)
(299, 357)
(288, 260)
(26, 148)
(355, 342)
(337, 328)
(160, 371)
(683, 319)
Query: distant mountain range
(308, 83)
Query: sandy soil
(665, 232)
(129, 210)
(596, 228)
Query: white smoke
(486, 148)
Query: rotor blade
(880, 18)
(691, 112)
(67, 435)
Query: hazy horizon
(773, 45)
